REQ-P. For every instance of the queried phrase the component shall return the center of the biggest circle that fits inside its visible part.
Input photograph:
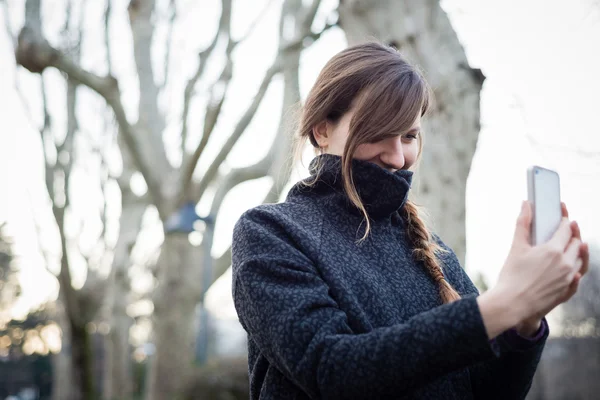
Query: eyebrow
(414, 130)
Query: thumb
(523, 229)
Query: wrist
(528, 328)
(499, 311)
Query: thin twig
(254, 23)
(237, 132)
(38, 236)
(169, 42)
(204, 55)
(199, 189)
(214, 105)
(107, 14)
(36, 54)
(7, 24)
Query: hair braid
(424, 250)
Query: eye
(411, 136)
(380, 138)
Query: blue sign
(183, 219)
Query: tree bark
(175, 301)
(118, 378)
(62, 362)
(421, 31)
(80, 306)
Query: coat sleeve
(510, 375)
(285, 306)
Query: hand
(530, 325)
(535, 279)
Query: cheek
(366, 151)
(410, 153)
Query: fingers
(572, 288)
(584, 252)
(584, 255)
(575, 229)
(562, 236)
(572, 257)
(563, 208)
(523, 229)
(572, 251)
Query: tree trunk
(79, 304)
(422, 32)
(175, 302)
(118, 374)
(61, 362)
(82, 356)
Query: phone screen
(546, 186)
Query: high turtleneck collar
(383, 192)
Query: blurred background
(133, 134)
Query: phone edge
(531, 199)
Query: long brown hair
(387, 95)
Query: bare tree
(422, 32)
(180, 270)
(80, 304)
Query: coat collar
(382, 192)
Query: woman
(344, 292)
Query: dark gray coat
(329, 319)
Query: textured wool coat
(327, 318)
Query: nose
(392, 155)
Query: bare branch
(102, 245)
(44, 136)
(169, 42)
(563, 149)
(274, 162)
(237, 176)
(150, 118)
(292, 47)
(64, 277)
(237, 132)
(221, 264)
(224, 27)
(576, 152)
(38, 236)
(86, 255)
(254, 23)
(301, 42)
(309, 15)
(107, 14)
(7, 24)
(22, 97)
(35, 54)
(213, 108)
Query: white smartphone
(543, 191)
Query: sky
(538, 106)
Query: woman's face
(393, 153)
